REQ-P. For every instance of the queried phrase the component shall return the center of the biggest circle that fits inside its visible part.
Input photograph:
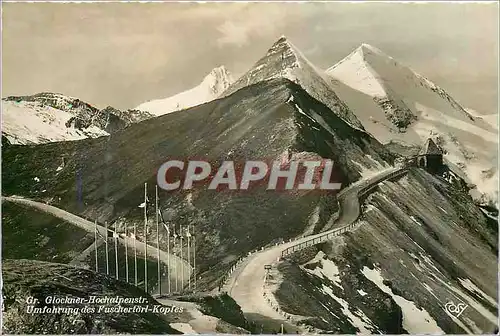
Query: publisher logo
(455, 309)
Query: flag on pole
(166, 228)
(99, 234)
(143, 204)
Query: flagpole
(182, 268)
(135, 251)
(145, 238)
(95, 247)
(126, 253)
(188, 257)
(115, 236)
(158, 240)
(168, 260)
(175, 265)
(194, 260)
(107, 255)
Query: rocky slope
(263, 121)
(284, 60)
(49, 117)
(394, 103)
(27, 279)
(422, 243)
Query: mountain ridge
(284, 60)
(48, 117)
(211, 87)
(397, 104)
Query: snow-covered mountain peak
(217, 80)
(55, 100)
(395, 103)
(355, 71)
(369, 49)
(285, 60)
(283, 53)
(48, 117)
(211, 87)
(373, 72)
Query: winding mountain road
(246, 282)
(176, 263)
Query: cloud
(251, 23)
(233, 34)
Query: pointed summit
(218, 80)
(356, 72)
(213, 84)
(284, 60)
(373, 72)
(368, 48)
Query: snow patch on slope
(415, 320)
(184, 328)
(284, 60)
(356, 73)
(469, 285)
(326, 269)
(357, 317)
(212, 86)
(26, 122)
(469, 141)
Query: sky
(123, 54)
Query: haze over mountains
(368, 89)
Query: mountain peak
(285, 60)
(355, 71)
(286, 50)
(217, 80)
(365, 47)
(212, 85)
(221, 70)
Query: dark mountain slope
(422, 244)
(29, 233)
(23, 279)
(104, 177)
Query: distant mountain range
(368, 89)
(420, 240)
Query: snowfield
(415, 320)
(367, 77)
(216, 82)
(33, 123)
(357, 73)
